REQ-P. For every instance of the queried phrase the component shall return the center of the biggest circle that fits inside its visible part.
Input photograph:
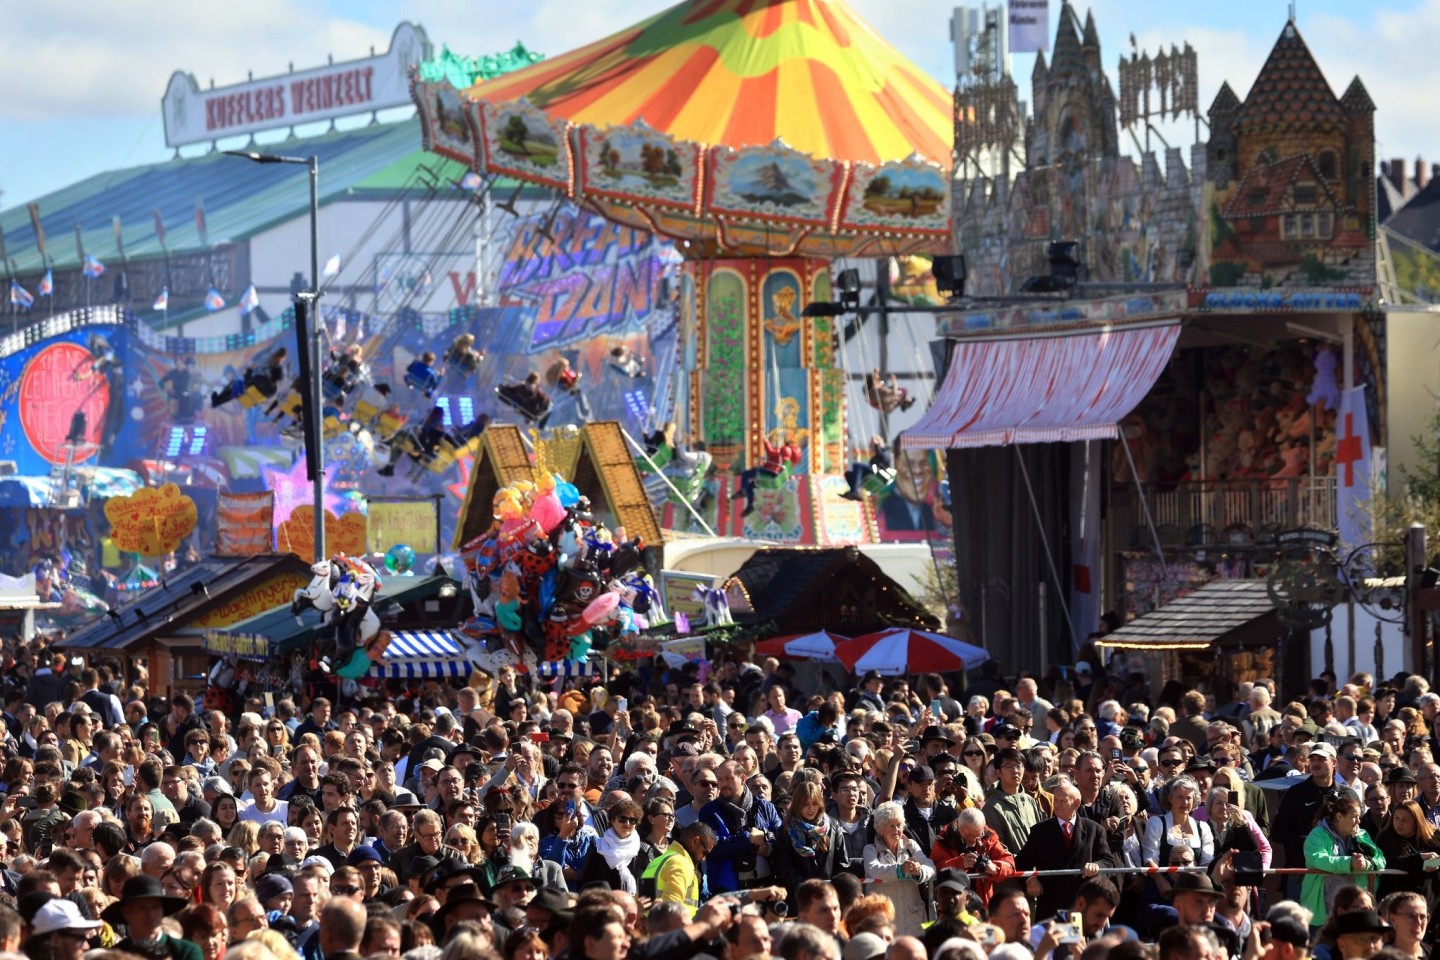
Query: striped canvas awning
(422, 654)
(550, 669)
(1059, 387)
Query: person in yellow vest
(677, 875)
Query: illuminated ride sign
(193, 115)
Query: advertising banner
(151, 522)
(411, 522)
(244, 523)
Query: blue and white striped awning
(422, 654)
(549, 669)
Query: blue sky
(83, 83)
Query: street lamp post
(309, 326)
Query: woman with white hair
(1177, 827)
(902, 870)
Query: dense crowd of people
(674, 813)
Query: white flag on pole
(1353, 489)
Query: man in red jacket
(968, 844)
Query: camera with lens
(982, 863)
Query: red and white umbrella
(902, 650)
(819, 645)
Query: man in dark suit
(1065, 841)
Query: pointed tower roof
(1092, 34)
(1291, 88)
(1225, 99)
(1067, 56)
(1357, 98)
(1041, 70)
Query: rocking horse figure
(344, 592)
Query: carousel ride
(764, 140)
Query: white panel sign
(193, 115)
(1029, 26)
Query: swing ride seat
(510, 396)
(290, 406)
(878, 483)
(765, 480)
(333, 427)
(252, 397)
(366, 409)
(444, 456)
(660, 458)
(390, 424)
(688, 487)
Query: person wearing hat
(1357, 934)
(464, 902)
(276, 894)
(1300, 808)
(366, 859)
(925, 816)
(870, 699)
(864, 946)
(141, 907)
(1289, 940)
(1337, 846)
(59, 932)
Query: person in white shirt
(264, 807)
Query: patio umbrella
(819, 645)
(902, 650)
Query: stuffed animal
(1325, 391)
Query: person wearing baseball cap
(59, 931)
(1300, 806)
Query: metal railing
(1217, 512)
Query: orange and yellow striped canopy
(741, 73)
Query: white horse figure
(344, 593)
(354, 616)
(318, 595)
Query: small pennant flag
(340, 326)
(249, 300)
(471, 181)
(332, 267)
(213, 300)
(162, 302)
(93, 267)
(159, 227)
(47, 285)
(200, 227)
(422, 286)
(21, 297)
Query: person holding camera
(968, 844)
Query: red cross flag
(1353, 489)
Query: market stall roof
(217, 592)
(285, 634)
(744, 73)
(1043, 387)
(1196, 620)
(240, 199)
(422, 654)
(800, 587)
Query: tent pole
(1145, 505)
(1045, 541)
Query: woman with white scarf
(616, 859)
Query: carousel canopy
(744, 126)
(743, 73)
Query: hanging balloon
(569, 493)
(602, 608)
(548, 511)
(400, 558)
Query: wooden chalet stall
(163, 628)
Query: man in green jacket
(1010, 811)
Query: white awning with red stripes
(1044, 388)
